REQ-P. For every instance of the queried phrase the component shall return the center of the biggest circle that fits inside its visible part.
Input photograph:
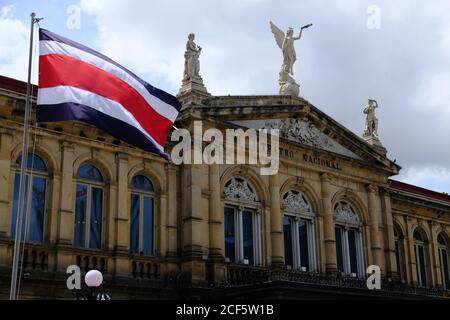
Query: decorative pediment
(239, 189)
(345, 214)
(300, 130)
(295, 202)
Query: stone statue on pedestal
(192, 81)
(371, 128)
(192, 62)
(288, 86)
(286, 43)
(370, 134)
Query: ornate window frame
(240, 196)
(346, 218)
(296, 206)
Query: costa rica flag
(78, 83)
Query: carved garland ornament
(294, 201)
(239, 189)
(345, 214)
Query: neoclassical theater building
(162, 231)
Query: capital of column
(371, 188)
(326, 177)
(121, 156)
(67, 145)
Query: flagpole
(23, 167)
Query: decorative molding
(294, 201)
(300, 130)
(344, 213)
(239, 189)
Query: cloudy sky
(401, 59)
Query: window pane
(33, 161)
(143, 183)
(89, 172)
(352, 251)
(441, 240)
(303, 239)
(288, 254)
(37, 210)
(339, 254)
(148, 226)
(80, 215)
(421, 263)
(134, 224)
(16, 206)
(247, 229)
(230, 240)
(445, 271)
(95, 236)
(397, 257)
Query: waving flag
(78, 83)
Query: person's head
(290, 31)
(191, 36)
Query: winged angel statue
(286, 43)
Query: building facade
(158, 230)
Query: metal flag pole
(23, 167)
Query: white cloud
(436, 178)
(14, 46)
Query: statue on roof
(285, 42)
(371, 128)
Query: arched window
(399, 253)
(421, 265)
(349, 243)
(89, 203)
(142, 216)
(33, 214)
(242, 223)
(443, 259)
(298, 229)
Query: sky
(397, 52)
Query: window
(443, 259)
(349, 244)
(399, 253)
(89, 202)
(419, 248)
(298, 228)
(242, 223)
(33, 213)
(142, 206)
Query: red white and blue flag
(78, 83)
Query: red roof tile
(401, 186)
(15, 85)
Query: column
(374, 225)
(391, 260)
(122, 238)
(66, 199)
(328, 224)
(435, 264)
(192, 211)
(216, 228)
(172, 238)
(411, 251)
(66, 216)
(5, 183)
(276, 218)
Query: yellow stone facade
(189, 246)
